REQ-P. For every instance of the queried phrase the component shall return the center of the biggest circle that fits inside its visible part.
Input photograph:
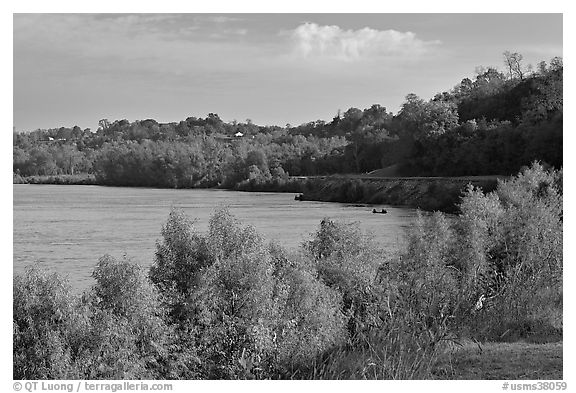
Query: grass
(501, 361)
(77, 179)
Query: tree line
(491, 124)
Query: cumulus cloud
(314, 41)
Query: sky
(274, 69)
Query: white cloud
(315, 41)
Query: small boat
(383, 211)
(299, 197)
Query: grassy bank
(506, 361)
(79, 179)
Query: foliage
(114, 332)
(246, 308)
(504, 254)
(311, 321)
(45, 318)
(180, 256)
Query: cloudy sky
(74, 69)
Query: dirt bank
(427, 193)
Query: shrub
(393, 308)
(45, 317)
(505, 253)
(122, 289)
(419, 295)
(253, 311)
(311, 321)
(397, 310)
(115, 331)
(347, 261)
(228, 238)
(479, 232)
(529, 254)
(180, 256)
(258, 313)
(426, 273)
(234, 314)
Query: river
(68, 228)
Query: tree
(364, 147)
(258, 158)
(556, 63)
(351, 120)
(464, 88)
(514, 63)
(104, 124)
(542, 68)
(426, 119)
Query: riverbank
(82, 179)
(426, 193)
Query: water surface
(68, 228)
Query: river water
(68, 228)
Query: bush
(115, 331)
(395, 320)
(505, 253)
(251, 310)
(122, 289)
(427, 275)
(529, 254)
(348, 261)
(419, 295)
(180, 256)
(46, 316)
(311, 320)
(234, 314)
(232, 308)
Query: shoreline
(426, 193)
